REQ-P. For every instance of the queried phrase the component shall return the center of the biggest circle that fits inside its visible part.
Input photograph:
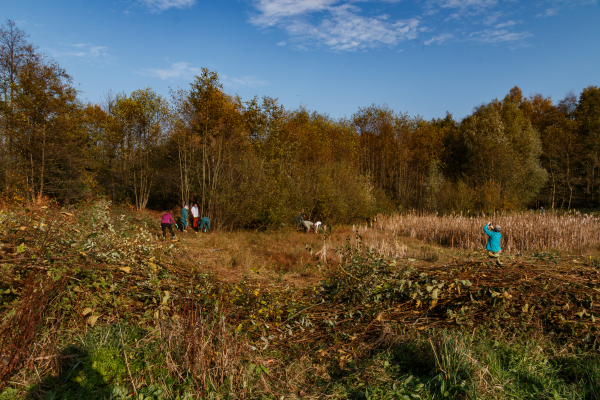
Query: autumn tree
(48, 137)
(503, 155)
(587, 114)
(15, 52)
(142, 119)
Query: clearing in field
(94, 306)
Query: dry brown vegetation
(521, 232)
(271, 314)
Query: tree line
(255, 163)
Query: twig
(123, 343)
(347, 273)
(307, 308)
(55, 356)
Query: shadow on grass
(76, 378)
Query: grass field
(93, 305)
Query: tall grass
(524, 231)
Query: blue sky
(333, 56)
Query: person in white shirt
(196, 215)
(317, 226)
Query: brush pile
(61, 272)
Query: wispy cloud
(479, 4)
(244, 81)
(499, 36)
(185, 71)
(351, 25)
(178, 70)
(272, 12)
(506, 24)
(550, 12)
(83, 52)
(555, 6)
(340, 27)
(439, 39)
(162, 5)
(492, 18)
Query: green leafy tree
(503, 155)
(142, 118)
(587, 114)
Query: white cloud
(466, 8)
(179, 70)
(466, 3)
(492, 18)
(184, 71)
(499, 36)
(439, 39)
(550, 12)
(244, 81)
(162, 5)
(342, 27)
(505, 24)
(83, 52)
(273, 11)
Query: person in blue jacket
(493, 243)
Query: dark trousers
(164, 230)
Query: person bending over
(307, 225)
(205, 224)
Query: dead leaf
(125, 269)
(92, 320)
(153, 266)
(86, 311)
(166, 298)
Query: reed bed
(524, 231)
(382, 244)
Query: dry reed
(524, 231)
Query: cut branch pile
(97, 273)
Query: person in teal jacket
(184, 218)
(205, 224)
(493, 243)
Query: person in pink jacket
(165, 223)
